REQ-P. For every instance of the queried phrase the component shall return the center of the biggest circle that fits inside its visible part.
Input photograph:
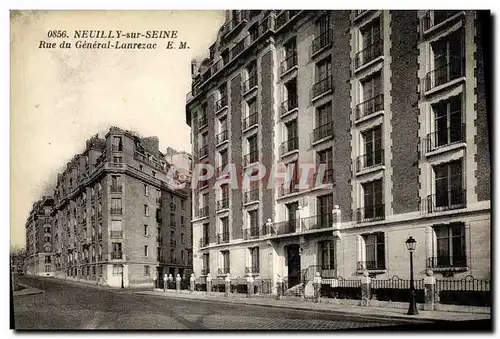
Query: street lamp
(411, 244)
(122, 275)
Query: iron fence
(322, 41)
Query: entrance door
(159, 277)
(293, 263)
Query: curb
(28, 290)
(301, 308)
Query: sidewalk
(365, 312)
(27, 290)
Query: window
(291, 96)
(117, 144)
(172, 219)
(172, 255)
(182, 238)
(325, 207)
(206, 263)
(254, 260)
(205, 239)
(449, 189)
(225, 56)
(100, 270)
(223, 160)
(323, 69)
(116, 205)
(145, 189)
(373, 201)
(253, 150)
(146, 232)
(93, 270)
(46, 238)
(374, 251)
(292, 141)
(141, 167)
(47, 268)
(182, 255)
(447, 123)
(449, 247)
(153, 173)
(448, 59)
(117, 250)
(117, 269)
(372, 99)
(225, 262)
(146, 210)
(325, 158)
(182, 221)
(370, 34)
(253, 31)
(183, 204)
(146, 250)
(374, 153)
(47, 259)
(253, 223)
(147, 270)
(117, 160)
(327, 255)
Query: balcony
(221, 103)
(173, 242)
(202, 121)
(370, 106)
(436, 17)
(378, 265)
(358, 13)
(444, 262)
(288, 105)
(288, 63)
(205, 271)
(203, 151)
(223, 238)
(117, 148)
(322, 41)
(322, 132)
(287, 188)
(284, 17)
(251, 158)
(116, 210)
(251, 233)
(251, 120)
(203, 184)
(203, 212)
(115, 164)
(223, 271)
(217, 66)
(239, 18)
(444, 137)
(369, 160)
(444, 74)
(321, 87)
(116, 234)
(444, 201)
(173, 223)
(290, 145)
(370, 213)
(250, 83)
(327, 178)
(368, 54)
(284, 227)
(250, 196)
(238, 48)
(222, 204)
(316, 222)
(116, 255)
(254, 269)
(221, 137)
(204, 242)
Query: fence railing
(289, 104)
(370, 265)
(322, 131)
(444, 201)
(444, 137)
(116, 210)
(223, 238)
(252, 119)
(436, 17)
(221, 103)
(370, 106)
(289, 145)
(327, 178)
(447, 261)
(289, 62)
(284, 17)
(371, 159)
(250, 83)
(316, 222)
(204, 241)
(251, 158)
(222, 136)
(322, 86)
(203, 151)
(369, 53)
(370, 213)
(222, 204)
(322, 41)
(203, 212)
(443, 74)
(252, 195)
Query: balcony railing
(284, 227)
(240, 17)
(370, 106)
(116, 210)
(289, 104)
(221, 137)
(252, 195)
(251, 233)
(205, 271)
(371, 159)
(252, 119)
(202, 183)
(323, 131)
(444, 201)
(223, 238)
(284, 17)
(221, 103)
(327, 178)
(116, 234)
(322, 86)
(254, 269)
(443, 74)
(370, 213)
(436, 17)
(204, 242)
(369, 53)
(202, 121)
(222, 204)
(116, 255)
(316, 222)
(250, 83)
(370, 265)
(203, 212)
(115, 164)
(223, 271)
(444, 137)
(289, 62)
(203, 151)
(291, 144)
(322, 41)
(238, 48)
(287, 188)
(447, 261)
(251, 158)
(117, 148)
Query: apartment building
(117, 219)
(390, 104)
(39, 249)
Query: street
(69, 306)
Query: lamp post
(122, 275)
(411, 244)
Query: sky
(61, 97)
